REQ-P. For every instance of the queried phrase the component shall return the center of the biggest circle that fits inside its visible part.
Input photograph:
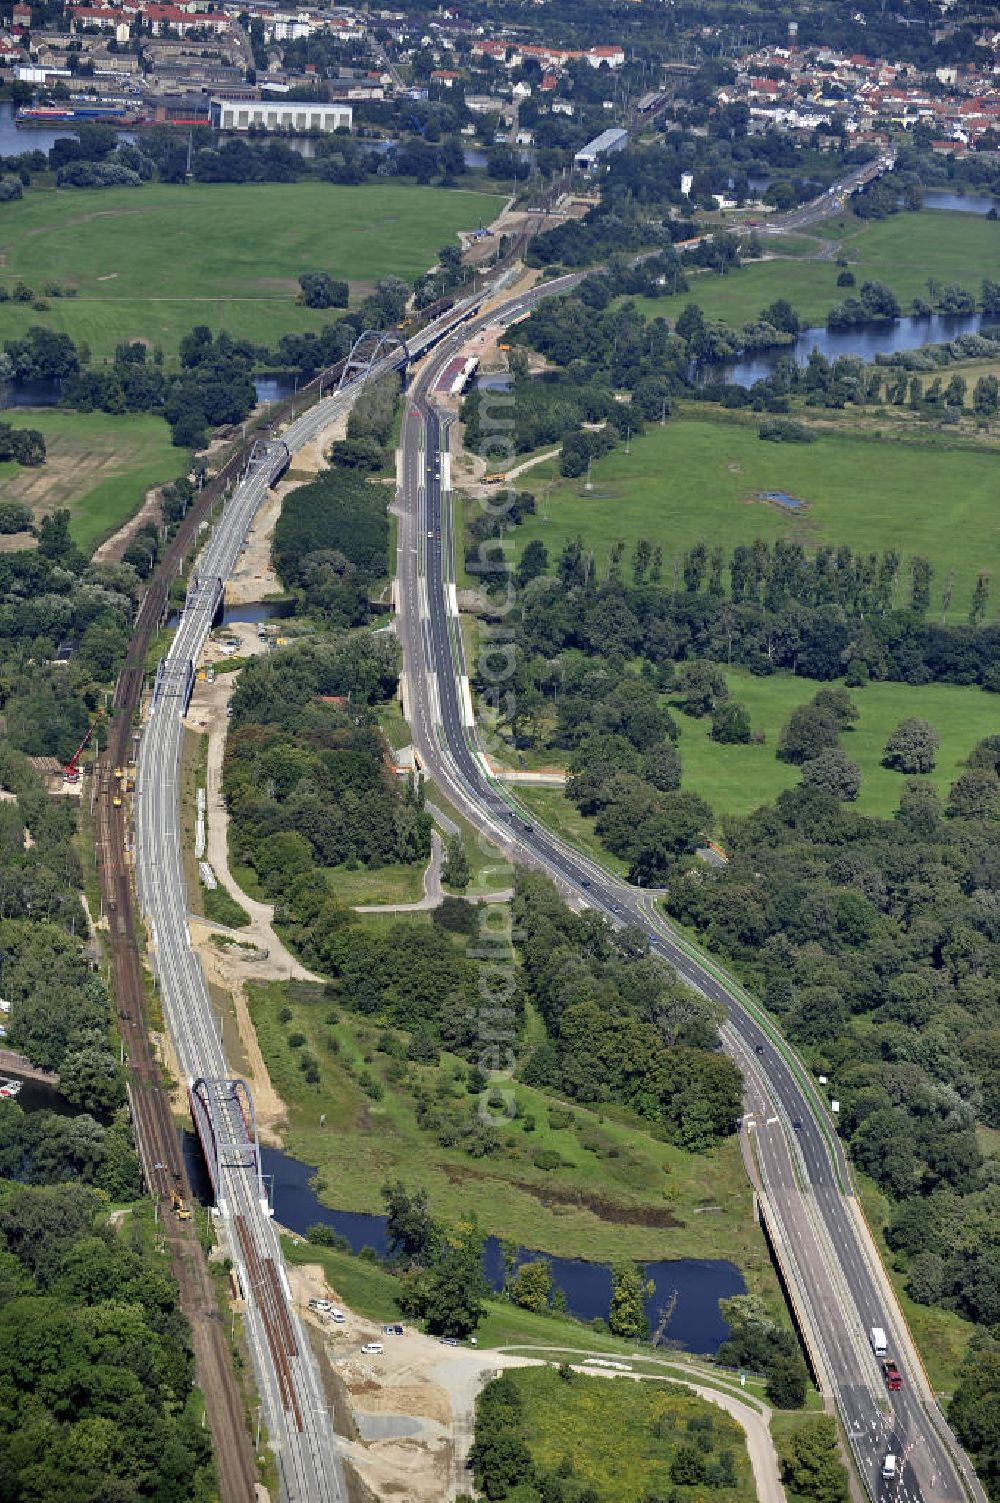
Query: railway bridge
(224, 1118)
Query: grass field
(98, 466)
(738, 779)
(902, 251)
(619, 1192)
(698, 478)
(621, 1437)
(150, 263)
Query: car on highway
(797, 1124)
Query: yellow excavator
(181, 1211)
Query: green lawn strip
(941, 1336)
(903, 251)
(700, 478)
(618, 1190)
(220, 908)
(236, 252)
(491, 871)
(394, 883)
(677, 1368)
(394, 728)
(553, 809)
(98, 466)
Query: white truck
(880, 1345)
(889, 1467)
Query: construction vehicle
(71, 772)
(181, 1211)
(497, 478)
(893, 1376)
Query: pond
(686, 1290)
(36, 1096)
(960, 203)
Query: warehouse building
(287, 114)
(589, 156)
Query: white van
(373, 1349)
(889, 1467)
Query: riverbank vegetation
(563, 1165)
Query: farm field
(698, 479)
(150, 263)
(903, 251)
(618, 1191)
(97, 465)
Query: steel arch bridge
(227, 1130)
(368, 349)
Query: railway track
(156, 1133)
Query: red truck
(893, 1377)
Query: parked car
(373, 1349)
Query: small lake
(866, 340)
(36, 1096)
(960, 203)
(690, 1288)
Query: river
(866, 340)
(689, 1288)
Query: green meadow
(98, 466)
(903, 251)
(149, 263)
(701, 478)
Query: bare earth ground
(414, 1403)
(111, 550)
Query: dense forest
(95, 1359)
(619, 1025)
(331, 543)
(307, 776)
